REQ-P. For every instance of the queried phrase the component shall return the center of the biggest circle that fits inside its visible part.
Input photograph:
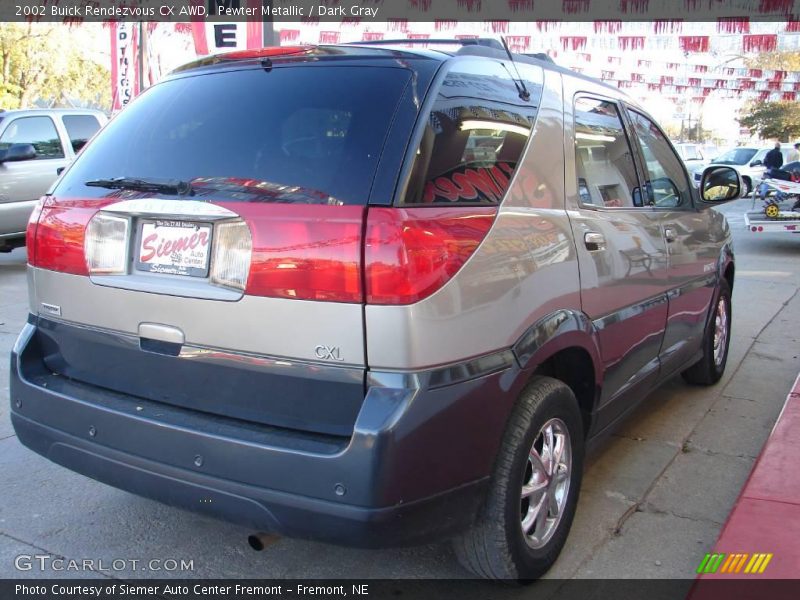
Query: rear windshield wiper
(164, 186)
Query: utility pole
(268, 26)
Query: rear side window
(80, 128)
(299, 134)
(474, 136)
(603, 157)
(40, 132)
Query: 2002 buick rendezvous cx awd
(369, 295)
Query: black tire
(709, 369)
(495, 547)
(748, 186)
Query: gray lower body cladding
(415, 467)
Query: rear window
(293, 134)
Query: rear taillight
(30, 232)
(106, 245)
(411, 253)
(304, 252)
(59, 237)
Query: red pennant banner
(733, 25)
(397, 25)
(328, 37)
(547, 24)
(573, 42)
(444, 24)
(631, 42)
(694, 43)
(760, 43)
(519, 43)
(289, 35)
(498, 26)
(667, 26)
(572, 7)
(607, 26)
(633, 6)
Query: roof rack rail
(486, 42)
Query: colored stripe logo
(751, 564)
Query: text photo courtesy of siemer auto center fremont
(336, 304)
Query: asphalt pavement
(654, 497)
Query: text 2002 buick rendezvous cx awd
(369, 295)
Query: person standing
(774, 158)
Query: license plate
(174, 248)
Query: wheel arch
(564, 345)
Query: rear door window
(40, 132)
(299, 134)
(80, 128)
(666, 185)
(474, 136)
(603, 158)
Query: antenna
(523, 91)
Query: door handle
(594, 241)
(670, 234)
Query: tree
(47, 62)
(776, 120)
(784, 61)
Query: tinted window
(666, 184)
(603, 158)
(79, 129)
(474, 137)
(37, 131)
(737, 156)
(293, 134)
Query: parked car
(747, 160)
(298, 299)
(691, 154)
(35, 145)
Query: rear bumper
(415, 469)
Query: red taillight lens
(304, 252)
(30, 231)
(410, 253)
(59, 235)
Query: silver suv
(35, 145)
(369, 294)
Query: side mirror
(756, 163)
(17, 152)
(721, 184)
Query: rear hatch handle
(161, 339)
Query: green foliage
(48, 62)
(773, 120)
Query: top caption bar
(366, 11)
